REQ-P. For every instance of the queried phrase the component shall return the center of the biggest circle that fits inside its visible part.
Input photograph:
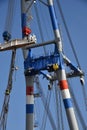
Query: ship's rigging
(50, 77)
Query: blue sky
(75, 12)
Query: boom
(5, 108)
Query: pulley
(7, 92)
(6, 36)
(53, 67)
(82, 80)
(26, 31)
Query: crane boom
(4, 113)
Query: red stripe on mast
(63, 84)
(29, 90)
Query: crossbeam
(40, 44)
(15, 44)
(34, 66)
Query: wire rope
(43, 2)
(43, 98)
(10, 14)
(30, 4)
(72, 45)
(57, 105)
(36, 112)
(78, 111)
(84, 96)
(39, 25)
(67, 31)
(61, 111)
(61, 125)
(46, 110)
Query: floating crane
(52, 63)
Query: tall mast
(61, 74)
(28, 79)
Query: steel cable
(78, 111)
(43, 98)
(40, 27)
(10, 14)
(67, 31)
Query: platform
(15, 44)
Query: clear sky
(75, 12)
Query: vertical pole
(29, 103)
(28, 79)
(23, 23)
(62, 74)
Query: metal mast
(61, 74)
(5, 108)
(29, 79)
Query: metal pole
(23, 22)
(29, 103)
(28, 79)
(61, 74)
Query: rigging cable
(43, 2)
(10, 14)
(46, 111)
(36, 112)
(61, 111)
(77, 109)
(67, 31)
(72, 45)
(84, 96)
(4, 112)
(29, 6)
(57, 105)
(43, 98)
(39, 25)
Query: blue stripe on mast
(53, 17)
(29, 108)
(67, 103)
(23, 20)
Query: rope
(43, 2)
(43, 98)
(72, 45)
(46, 110)
(77, 108)
(45, 113)
(29, 6)
(84, 96)
(10, 14)
(68, 34)
(57, 106)
(4, 113)
(61, 112)
(40, 27)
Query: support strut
(61, 73)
